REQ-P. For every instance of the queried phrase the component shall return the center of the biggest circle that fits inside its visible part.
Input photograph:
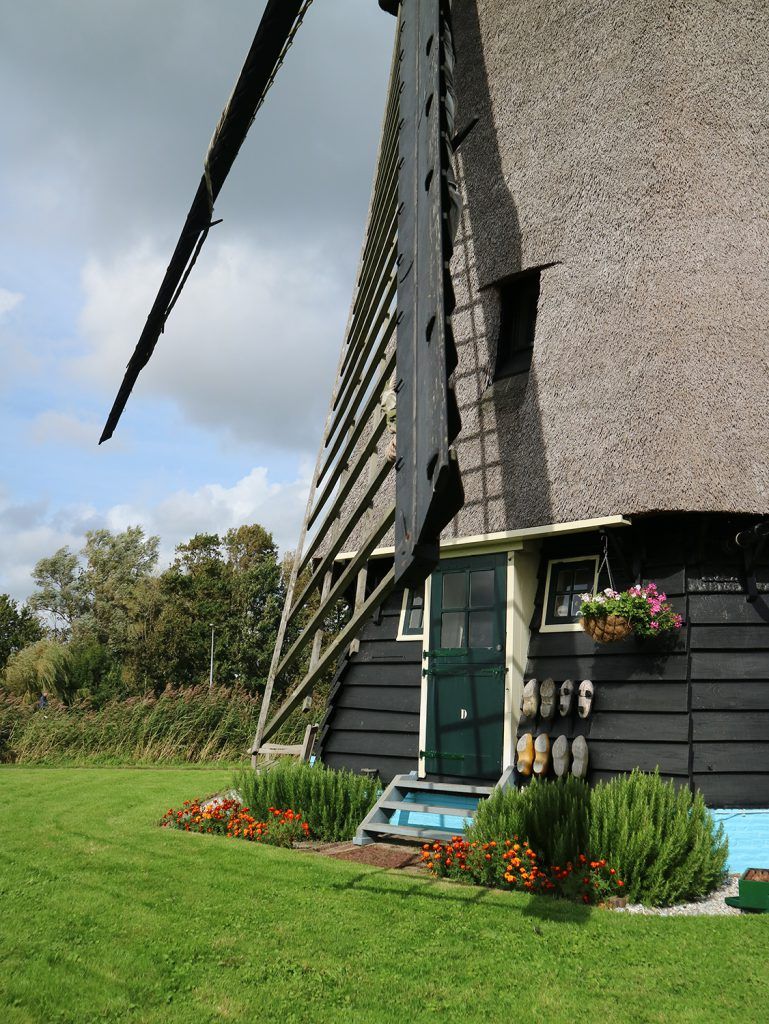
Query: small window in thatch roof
(519, 296)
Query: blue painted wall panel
(748, 833)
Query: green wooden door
(466, 668)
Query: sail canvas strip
(280, 21)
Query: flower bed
(230, 818)
(515, 865)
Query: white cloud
(8, 301)
(56, 427)
(250, 347)
(214, 508)
(28, 533)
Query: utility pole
(211, 670)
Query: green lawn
(105, 917)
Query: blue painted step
(446, 814)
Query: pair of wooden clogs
(542, 698)
(534, 755)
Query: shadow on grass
(544, 908)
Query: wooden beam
(353, 472)
(348, 526)
(331, 653)
(334, 593)
(336, 545)
(374, 399)
(383, 302)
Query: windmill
(398, 338)
(582, 255)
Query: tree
(59, 596)
(19, 626)
(233, 584)
(248, 546)
(114, 565)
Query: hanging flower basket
(606, 629)
(613, 615)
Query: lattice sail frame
(402, 302)
(353, 437)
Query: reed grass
(185, 726)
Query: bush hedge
(661, 839)
(554, 817)
(333, 802)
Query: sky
(109, 108)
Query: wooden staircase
(420, 809)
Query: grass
(105, 917)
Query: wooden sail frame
(352, 441)
(398, 339)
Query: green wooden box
(754, 891)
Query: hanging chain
(605, 562)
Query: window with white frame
(568, 581)
(411, 625)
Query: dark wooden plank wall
(373, 715)
(697, 707)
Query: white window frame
(402, 634)
(563, 627)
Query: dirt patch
(757, 875)
(378, 855)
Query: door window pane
(482, 588)
(481, 628)
(454, 590)
(453, 629)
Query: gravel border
(709, 906)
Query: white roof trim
(507, 540)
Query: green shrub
(552, 816)
(661, 839)
(333, 802)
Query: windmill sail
(276, 31)
(397, 357)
